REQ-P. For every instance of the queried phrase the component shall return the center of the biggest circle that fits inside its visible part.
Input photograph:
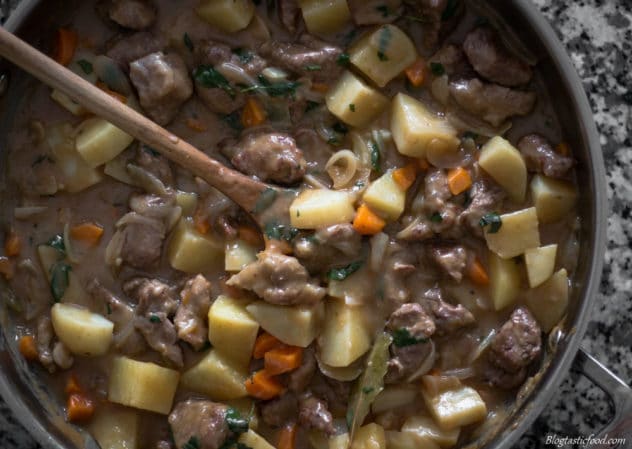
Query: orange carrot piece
(320, 87)
(405, 176)
(265, 342)
(6, 267)
(72, 385)
(423, 164)
(477, 274)
(416, 73)
(459, 180)
(282, 360)
(28, 347)
(79, 408)
(287, 437)
(250, 235)
(117, 96)
(253, 113)
(367, 222)
(563, 148)
(89, 233)
(12, 244)
(200, 223)
(262, 385)
(196, 125)
(66, 44)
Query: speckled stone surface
(598, 36)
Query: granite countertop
(598, 36)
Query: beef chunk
(278, 279)
(491, 102)
(190, 318)
(218, 100)
(299, 379)
(451, 259)
(280, 411)
(337, 244)
(130, 48)
(334, 392)
(517, 344)
(307, 53)
(132, 14)
(492, 60)
(453, 60)
(163, 84)
(413, 318)
(204, 420)
(406, 360)
(137, 241)
(436, 204)
(212, 53)
(375, 12)
(540, 157)
(154, 163)
(448, 318)
(485, 197)
(314, 414)
(270, 157)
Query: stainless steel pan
(42, 418)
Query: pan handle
(617, 433)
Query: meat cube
(314, 414)
(518, 343)
(163, 84)
(451, 259)
(132, 14)
(448, 317)
(540, 157)
(299, 379)
(280, 411)
(337, 244)
(130, 48)
(485, 197)
(203, 420)
(155, 164)
(405, 361)
(413, 318)
(191, 316)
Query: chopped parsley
(367, 390)
(383, 9)
(154, 319)
(313, 67)
(401, 338)
(376, 157)
(437, 68)
(436, 218)
(352, 107)
(276, 231)
(86, 66)
(344, 59)
(245, 55)
(59, 280)
(188, 42)
(280, 89)
(193, 443)
(235, 422)
(340, 274)
(57, 242)
(492, 220)
(265, 200)
(385, 37)
(208, 77)
(108, 308)
(450, 10)
(311, 105)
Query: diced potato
(548, 302)
(324, 16)
(416, 130)
(227, 15)
(553, 199)
(345, 336)
(518, 233)
(253, 440)
(319, 208)
(503, 162)
(393, 397)
(408, 440)
(455, 407)
(370, 436)
(245, 407)
(340, 441)
(296, 325)
(385, 197)
(425, 427)
(317, 439)
(353, 101)
(98, 141)
(84, 333)
(115, 428)
(142, 385)
(238, 254)
(504, 281)
(383, 54)
(354, 289)
(192, 252)
(540, 264)
(187, 201)
(231, 330)
(67, 103)
(217, 377)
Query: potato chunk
(227, 15)
(504, 280)
(293, 325)
(393, 397)
(232, 330)
(426, 428)
(325, 16)
(142, 385)
(503, 162)
(354, 102)
(455, 407)
(253, 440)
(370, 436)
(553, 199)
(519, 232)
(345, 337)
(319, 208)
(385, 197)
(98, 141)
(192, 252)
(408, 440)
(238, 254)
(540, 264)
(115, 428)
(217, 377)
(383, 54)
(548, 302)
(84, 333)
(416, 130)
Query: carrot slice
(283, 359)
(89, 233)
(265, 342)
(72, 385)
(320, 87)
(477, 274)
(253, 113)
(28, 347)
(80, 408)
(6, 267)
(287, 437)
(262, 385)
(12, 244)
(196, 125)
(405, 176)
(459, 180)
(200, 223)
(416, 73)
(367, 222)
(66, 44)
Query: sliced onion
(360, 148)
(342, 167)
(438, 157)
(146, 180)
(274, 74)
(343, 374)
(483, 345)
(460, 373)
(427, 364)
(236, 74)
(314, 182)
(28, 212)
(465, 122)
(379, 243)
(111, 74)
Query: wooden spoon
(254, 196)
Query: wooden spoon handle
(243, 190)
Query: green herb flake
(57, 242)
(265, 200)
(340, 274)
(276, 231)
(154, 319)
(367, 390)
(352, 107)
(235, 422)
(280, 89)
(492, 220)
(437, 68)
(436, 218)
(86, 66)
(59, 280)
(344, 59)
(383, 9)
(313, 67)
(376, 157)
(401, 338)
(193, 443)
(188, 42)
(450, 10)
(208, 77)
